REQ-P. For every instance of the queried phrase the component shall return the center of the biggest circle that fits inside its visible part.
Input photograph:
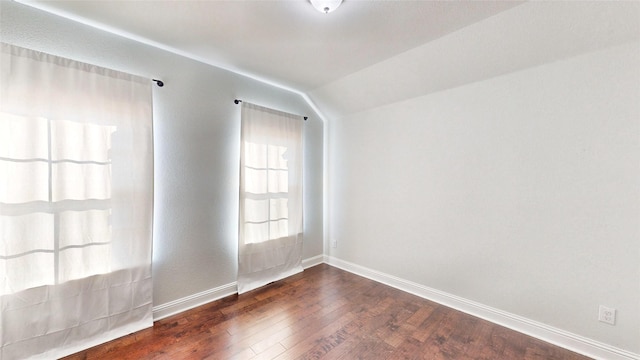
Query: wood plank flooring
(325, 313)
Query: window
(55, 189)
(267, 180)
(270, 231)
(76, 191)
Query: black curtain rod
(236, 101)
(158, 82)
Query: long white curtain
(76, 172)
(270, 231)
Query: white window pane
(277, 157)
(80, 141)
(256, 233)
(255, 181)
(24, 233)
(76, 263)
(279, 229)
(279, 209)
(256, 210)
(73, 181)
(255, 155)
(23, 137)
(84, 227)
(22, 182)
(27, 271)
(278, 181)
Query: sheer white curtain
(270, 231)
(76, 167)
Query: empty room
(306, 179)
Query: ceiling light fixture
(325, 6)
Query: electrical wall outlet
(607, 315)
(334, 243)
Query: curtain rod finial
(158, 82)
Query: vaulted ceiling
(287, 42)
(366, 53)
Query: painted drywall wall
(197, 142)
(518, 191)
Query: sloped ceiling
(367, 53)
(526, 36)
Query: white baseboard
(189, 302)
(565, 339)
(310, 262)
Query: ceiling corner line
(313, 105)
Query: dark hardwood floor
(327, 313)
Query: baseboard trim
(313, 261)
(189, 302)
(565, 339)
(192, 301)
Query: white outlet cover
(607, 315)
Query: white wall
(197, 142)
(520, 191)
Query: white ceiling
(286, 42)
(527, 36)
(367, 53)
